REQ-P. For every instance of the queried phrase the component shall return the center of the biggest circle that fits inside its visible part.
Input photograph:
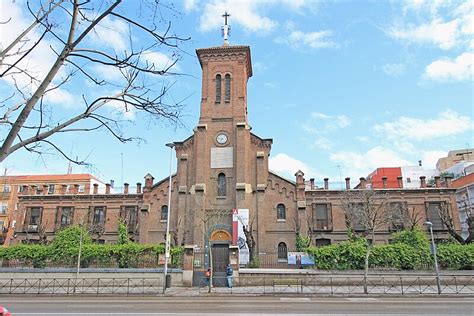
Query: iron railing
(347, 285)
(275, 285)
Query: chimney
(300, 189)
(76, 188)
(422, 182)
(96, 188)
(384, 182)
(348, 183)
(148, 182)
(419, 163)
(437, 181)
(45, 189)
(107, 188)
(125, 188)
(63, 189)
(139, 188)
(448, 178)
(362, 183)
(400, 182)
(312, 183)
(326, 183)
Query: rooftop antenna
(226, 29)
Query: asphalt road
(244, 305)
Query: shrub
(456, 256)
(343, 256)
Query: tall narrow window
(282, 252)
(321, 217)
(227, 88)
(281, 211)
(218, 88)
(67, 215)
(99, 216)
(164, 212)
(221, 185)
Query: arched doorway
(220, 241)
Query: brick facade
(224, 166)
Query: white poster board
(222, 157)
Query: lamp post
(167, 242)
(433, 247)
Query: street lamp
(433, 247)
(168, 239)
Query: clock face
(221, 138)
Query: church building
(223, 193)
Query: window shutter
(27, 219)
(57, 223)
(123, 213)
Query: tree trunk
(366, 263)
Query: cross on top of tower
(226, 28)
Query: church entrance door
(220, 240)
(220, 260)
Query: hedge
(409, 251)
(64, 250)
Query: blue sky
(342, 87)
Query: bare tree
(413, 217)
(250, 239)
(366, 211)
(446, 217)
(176, 232)
(27, 113)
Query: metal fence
(82, 286)
(348, 285)
(244, 285)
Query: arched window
(281, 211)
(227, 88)
(164, 212)
(221, 185)
(218, 88)
(282, 252)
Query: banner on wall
(300, 259)
(240, 217)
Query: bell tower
(225, 72)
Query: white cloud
(343, 121)
(161, 61)
(460, 68)
(442, 34)
(62, 97)
(313, 40)
(330, 122)
(288, 166)
(318, 115)
(430, 158)
(358, 164)
(323, 143)
(111, 33)
(245, 13)
(448, 123)
(395, 70)
(39, 61)
(190, 5)
(118, 108)
(250, 14)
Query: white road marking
(362, 299)
(294, 299)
